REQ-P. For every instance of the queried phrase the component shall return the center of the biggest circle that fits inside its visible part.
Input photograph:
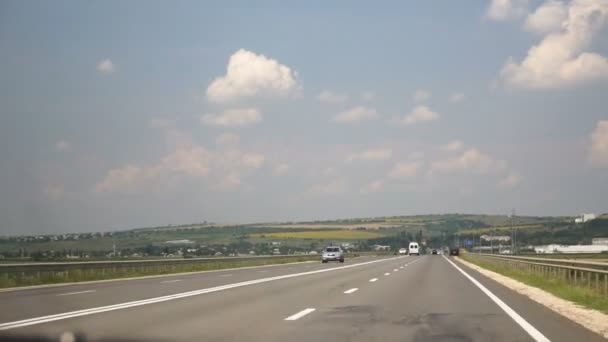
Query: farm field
(321, 235)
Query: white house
(584, 218)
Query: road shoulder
(592, 320)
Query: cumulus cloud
(253, 160)
(373, 154)
(248, 75)
(368, 96)
(106, 66)
(547, 18)
(421, 95)
(374, 186)
(233, 117)
(599, 144)
(281, 169)
(54, 192)
(457, 97)
(228, 139)
(454, 145)
(328, 96)
(503, 10)
(331, 188)
(417, 115)
(471, 160)
(510, 181)
(404, 170)
(223, 167)
(561, 58)
(62, 146)
(356, 115)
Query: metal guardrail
(592, 275)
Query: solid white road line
(91, 311)
(171, 281)
(300, 314)
(351, 290)
(226, 275)
(74, 293)
(373, 280)
(387, 273)
(532, 331)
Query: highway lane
(425, 299)
(23, 304)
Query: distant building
(179, 242)
(599, 241)
(501, 238)
(551, 249)
(584, 218)
(382, 248)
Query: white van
(414, 248)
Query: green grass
(584, 296)
(79, 275)
(322, 235)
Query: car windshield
(171, 170)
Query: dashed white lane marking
(74, 293)
(300, 314)
(395, 270)
(531, 330)
(387, 273)
(226, 275)
(263, 271)
(401, 267)
(351, 290)
(96, 310)
(373, 280)
(170, 281)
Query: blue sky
(127, 114)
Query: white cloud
(417, 115)
(62, 146)
(106, 66)
(328, 96)
(455, 145)
(54, 192)
(334, 187)
(356, 114)
(503, 10)
(561, 59)
(404, 170)
(223, 168)
(249, 74)
(233, 117)
(368, 96)
(228, 139)
(471, 160)
(281, 169)
(509, 181)
(549, 17)
(599, 144)
(457, 97)
(373, 154)
(421, 95)
(253, 160)
(374, 186)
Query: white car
(402, 251)
(414, 248)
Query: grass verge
(581, 295)
(84, 274)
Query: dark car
(434, 252)
(454, 251)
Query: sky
(125, 114)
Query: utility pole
(513, 233)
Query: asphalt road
(365, 299)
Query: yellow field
(322, 235)
(498, 229)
